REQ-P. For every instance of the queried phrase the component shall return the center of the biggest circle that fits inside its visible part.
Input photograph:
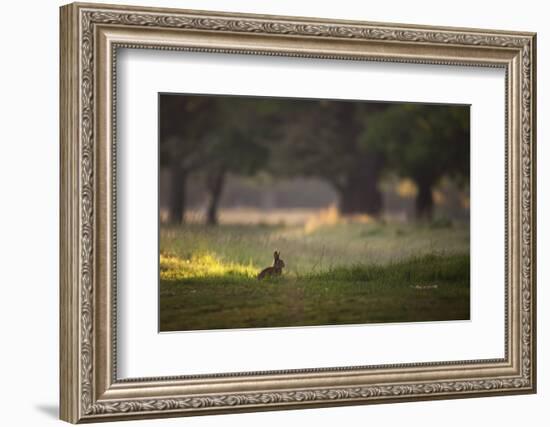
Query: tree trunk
(424, 200)
(361, 194)
(359, 198)
(178, 178)
(215, 187)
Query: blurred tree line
(349, 144)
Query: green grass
(325, 248)
(340, 274)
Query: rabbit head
(278, 262)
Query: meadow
(346, 272)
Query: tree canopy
(349, 144)
(423, 142)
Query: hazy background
(285, 161)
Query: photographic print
(278, 212)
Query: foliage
(323, 139)
(210, 136)
(423, 142)
(347, 143)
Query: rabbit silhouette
(275, 270)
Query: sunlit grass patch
(200, 266)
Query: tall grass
(305, 251)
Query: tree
(323, 138)
(424, 143)
(181, 123)
(234, 144)
(349, 144)
(232, 152)
(210, 136)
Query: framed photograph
(265, 212)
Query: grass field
(344, 273)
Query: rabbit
(275, 270)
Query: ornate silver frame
(90, 36)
